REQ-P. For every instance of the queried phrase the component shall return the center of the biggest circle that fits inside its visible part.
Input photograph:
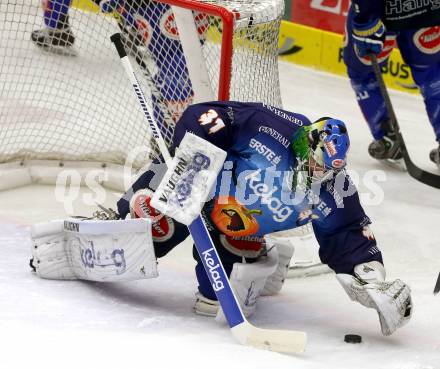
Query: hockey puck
(352, 338)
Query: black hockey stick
(437, 285)
(414, 171)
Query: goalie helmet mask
(321, 148)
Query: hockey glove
(368, 37)
(391, 300)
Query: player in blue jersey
(374, 27)
(149, 34)
(282, 171)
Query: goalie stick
(243, 331)
(414, 171)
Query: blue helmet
(329, 142)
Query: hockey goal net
(66, 98)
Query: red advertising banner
(328, 15)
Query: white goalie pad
(248, 281)
(94, 250)
(189, 179)
(49, 256)
(285, 250)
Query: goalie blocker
(189, 179)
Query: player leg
(248, 275)
(422, 54)
(285, 251)
(152, 38)
(174, 88)
(57, 35)
(369, 97)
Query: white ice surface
(150, 323)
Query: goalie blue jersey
(258, 192)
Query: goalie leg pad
(248, 281)
(285, 250)
(392, 300)
(111, 250)
(49, 257)
(94, 250)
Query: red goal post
(228, 17)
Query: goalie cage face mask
(321, 148)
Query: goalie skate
(56, 41)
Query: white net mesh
(64, 94)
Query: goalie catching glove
(391, 300)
